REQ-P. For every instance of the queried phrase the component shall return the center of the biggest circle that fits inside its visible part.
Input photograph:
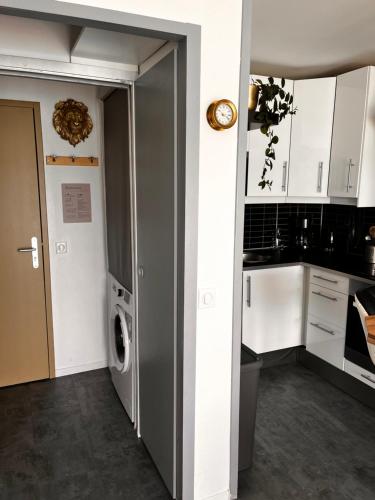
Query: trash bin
(250, 367)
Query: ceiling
(114, 48)
(306, 39)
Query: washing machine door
(120, 340)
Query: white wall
(78, 278)
(32, 38)
(221, 39)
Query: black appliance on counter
(356, 349)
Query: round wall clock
(222, 114)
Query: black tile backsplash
(346, 224)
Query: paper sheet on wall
(76, 201)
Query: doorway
(26, 342)
(186, 239)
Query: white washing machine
(122, 344)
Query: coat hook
(73, 158)
(53, 158)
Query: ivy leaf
(259, 81)
(271, 80)
(287, 97)
(291, 99)
(283, 82)
(275, 139)
(282, 93)
(264, 129)
(262, 184)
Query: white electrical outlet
(61, 247)
(206, 298)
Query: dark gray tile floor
(70, 438)
(312, 441)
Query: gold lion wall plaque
(72, 121)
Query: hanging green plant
(274, 104)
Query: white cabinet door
(272, 308)
(310, 145)
(347, 136)
(257, 144)
(325, 341)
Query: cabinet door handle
(283, 182)
(325, 279)
(367, 377)
(349, 182)
(248, 297)
(320, 176)
(316, 325)
(334, 299)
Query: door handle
(349, 182)
(316, 325)
(320, 176)
(325, 296)
(325, 279)
(26, 249)
(248, 298)
(33, 250)
(283, 185)
(141, 272)
(367, 377)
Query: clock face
(221, 114)
(224, 114)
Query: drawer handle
(248, 298)
(331, 332)
(335, 282)
(367, 377)
(325, 296)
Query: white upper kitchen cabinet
(272, 310)
(352, 172)
(257, 144)
(310, 146)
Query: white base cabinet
(325, 341)
(327, 303)
(273, 308)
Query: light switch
(61, 247)
(206, 298)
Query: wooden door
(24, 347)
(347, 136)
(257, 146)
(310, 146)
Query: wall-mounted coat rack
(72, 161)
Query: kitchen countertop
(350, 265)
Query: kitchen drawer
(329, 280)
(325, 341)
(328, 305)
(359, 373)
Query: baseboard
(280, 357)
(338, 378)
(223, 495)
(70, 370)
